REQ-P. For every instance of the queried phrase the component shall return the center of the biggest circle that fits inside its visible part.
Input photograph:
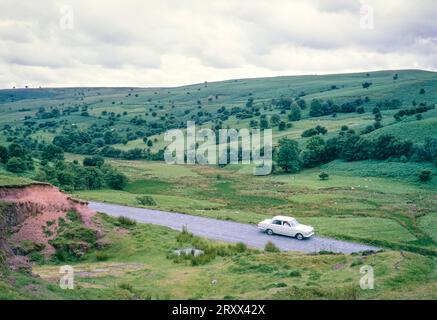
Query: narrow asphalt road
(227, 231)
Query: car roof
(283, 218)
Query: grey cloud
(168, 43)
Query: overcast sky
(169, 43)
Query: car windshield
(294, 223)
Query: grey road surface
(227, 231)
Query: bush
(73, 216)
(16, 165)
(116, 180)
(101, 256)
(295, 273)
(425, 175)
(146, 201)
(240, 247)
(271, 247)
(125, 221)
(184, 236)
(96, 161)
(125, 286)
(323, 176)
(3, 154)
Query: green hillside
(137, 112)
(373, 135)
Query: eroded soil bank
(32, 213)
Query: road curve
(227, 231)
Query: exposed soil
(32, 213)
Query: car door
(277, 226)
(287, 229)
(293, 229)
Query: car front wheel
(269, 232)
(299, 236)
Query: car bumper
(309, 235)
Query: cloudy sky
(174, 42)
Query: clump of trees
(350, 146)
(421, 108)
(16, 158)
(70, 176)
(319, 107)
(51, 167)
(318, 130)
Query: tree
(275, 119)
(249, 103)
(16, 150)
(316, 108)
(16, 165)
(295, 113)
(282, 126)
(386, 146)
(3, 154)
(288, 155)
(52, 153)
(149, 143)
(96, 161)
(264, 124)
(366, 84)
(430, 148)
(314, 152)
(116, 180)
(422, 91)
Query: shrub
(323, 176)
(146, 201)
(366, 84)
(96, 161)
(425, 175)
(240, 247)
(125, 286)
(116, 180)
(16, 165)
(271, 247)
(326, 252)
(3, 154)
(73, 216)
(295, 273)
(125, 221)
(184, 236)
(101, 256)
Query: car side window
(278, 222)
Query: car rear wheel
(269, 232)
(299, 236)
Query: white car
(286, 226)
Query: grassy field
(373, 202)
(139, 265)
